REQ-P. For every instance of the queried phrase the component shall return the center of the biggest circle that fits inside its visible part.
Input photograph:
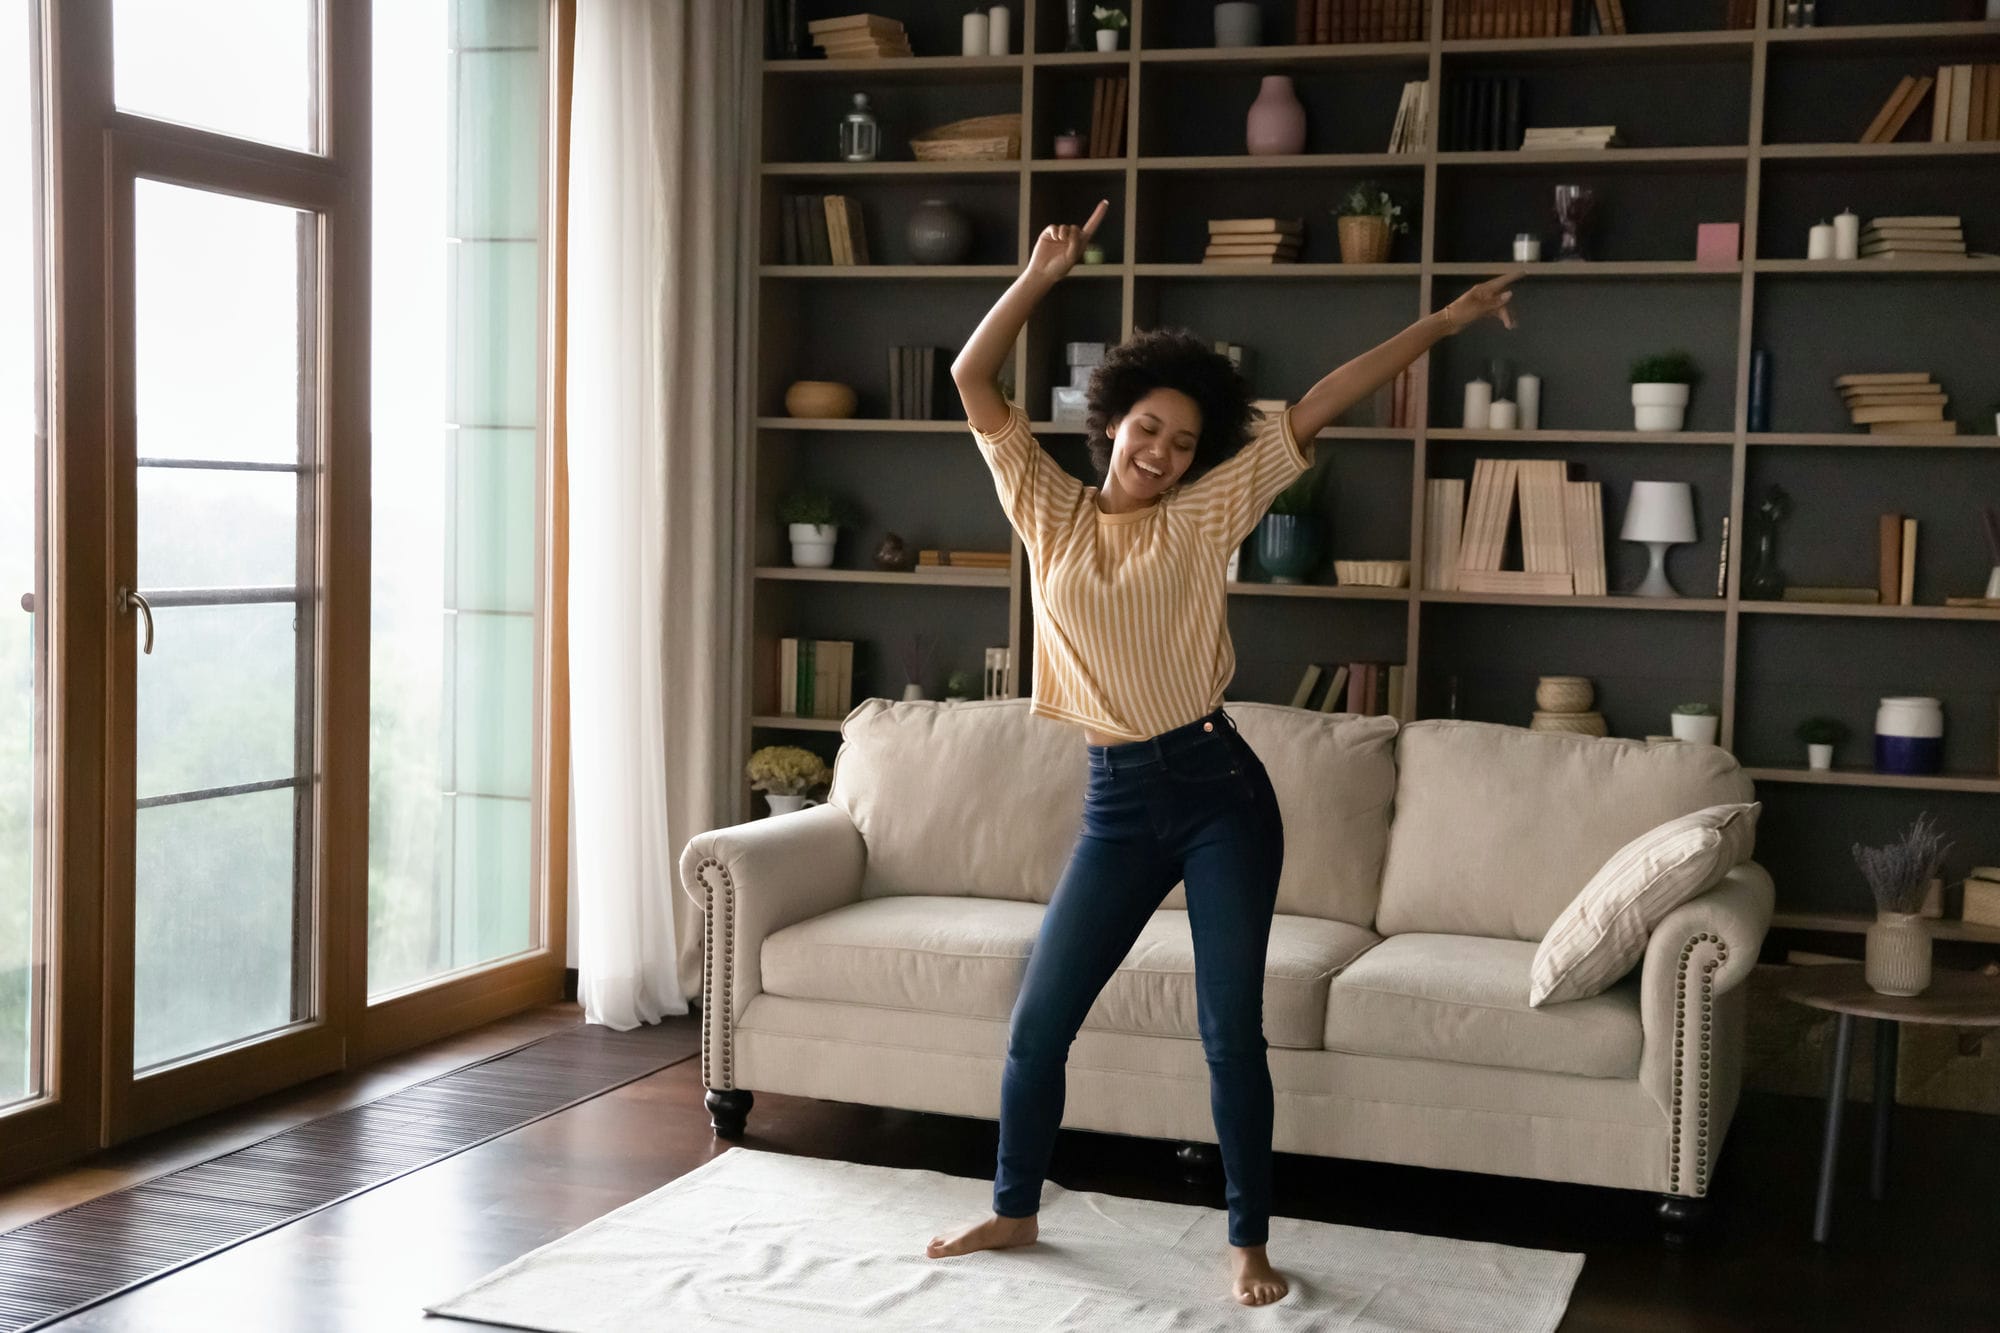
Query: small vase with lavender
(1897, 956)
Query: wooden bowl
(1373, 573)
(819, 398)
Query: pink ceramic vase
(1277, 122)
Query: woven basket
(1577, 724)
(1564, 694)
(982, 138)
(1364, 239)
(1373, 573)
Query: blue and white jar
(1909, 735)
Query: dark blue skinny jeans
(1193, 803)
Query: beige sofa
(869, 949)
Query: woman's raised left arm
(1357, 379)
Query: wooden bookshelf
(1768, 144)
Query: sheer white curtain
(655, 286)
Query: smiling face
(1152, 445)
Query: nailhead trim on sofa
(717, 1044)
(1697, 1182)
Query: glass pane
(242, 67)
(224, 319)
(23, 911)
(218, 698)
(457, 377)
(200, 528)
(217, 920)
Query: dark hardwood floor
(1928, 1258)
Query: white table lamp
(1660, 514)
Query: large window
(457, 257)
(23, 605)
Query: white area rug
(766, 1241)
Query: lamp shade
(1659, 511)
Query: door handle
(127, 599)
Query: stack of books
(1324, 21)
(1570, 136)
(1532, 18)
(815, 677)
(1922, 236)
(1254, 240)
(1896, 544)
(1396, 402)
(1561, 527)
(912, 373)
(1412, 129)
(1370, 689)
(860, 37)
(822, 229)
(1966, 107)
(1107, 116)
(930, 560)
(1481, 115)
(1896, 403)
(1896, 112)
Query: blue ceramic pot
(1287, 546)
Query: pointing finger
(1096, 216)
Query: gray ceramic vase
(938, 233)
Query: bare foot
(994, 1233)
(1257, 1283)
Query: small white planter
(1819, 758)
(1659, 406)
(812, 544)
(1697, 727)
(913, 691)
(1107, 39)
(787, 805)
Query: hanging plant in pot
(1696, 722)
(1660, 388)
(1368, 218)
(1897, 955)
(784, 773)
(813, 520)
(1288, 537)
(1820, 735)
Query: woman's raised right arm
(977, 367)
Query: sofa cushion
(1602, 935)
(1497, 829)
(966, 956)
(985, 799)
(1465, 999)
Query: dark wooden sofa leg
(728, 1109)
(1682, 1218)
(1199, 1162)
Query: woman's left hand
(1488, 298)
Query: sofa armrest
(1692, 1015)
(752, 880)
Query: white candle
(1478, 398)
(1846, 236)
(1819, 242)
(999, 30)
(1527, 249)
(1502, 415)
(1528, 393)
(972, 34)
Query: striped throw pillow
(1602, 934)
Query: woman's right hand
(1059, 246)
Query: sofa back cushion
(985, 799)
(1497, 829)
(978, 799)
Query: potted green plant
(1696, 722)
(1288, 544)
(784, 773)
(813, 519)
(1110, 22)
(1368, 217)
(958, 686)
(1820, 735)
(1660, 388)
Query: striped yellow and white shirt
(1131, 610)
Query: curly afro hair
(1169, 359)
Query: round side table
(1955, 999)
